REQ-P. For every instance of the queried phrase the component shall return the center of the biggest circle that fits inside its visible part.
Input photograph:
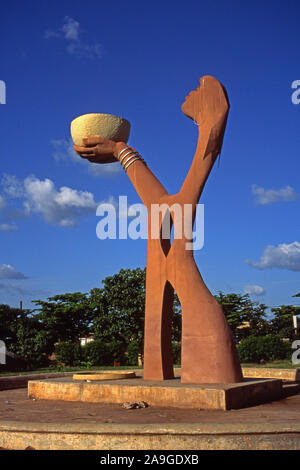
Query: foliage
(240, 310)
(25, 338)
(176, 349)
(95, 353)
(98, 353)
(66, 317)
(119, 308)
(282, 321)
(67, 353)
(8, 321)
(117, 351)
(267, 348)
(114, 315)
(132, 353)
(177, 319)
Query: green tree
(66, 317)
(31, 341)
(267, 348)
(177, 320)
(25, 336)
(119, 309)
(282, 321)
(8, 319)
(240, 310)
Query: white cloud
(13, 288)
(61, 206)
(283, 256)
(253, 289)
(71, 33)
(20, 290)
(88, 51)
(270, 196)
(106, 169)
(51, 34)
(71, 29)
(13, 189)
(5, 227)
(2, 203)
(63, 151)
(12, 186)
(8, 272)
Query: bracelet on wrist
(131, 156)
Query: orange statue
(208, 350)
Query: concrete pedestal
(167, 393)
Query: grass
(49, 370)
(283, 364)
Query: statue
(208, 351)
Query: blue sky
(139, 60)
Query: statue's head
(209, 96)
(191, 105)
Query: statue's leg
(158, 358)
(208, 350)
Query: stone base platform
(167, 393)
(183, 437)
(272, 373)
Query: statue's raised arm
(208, 107)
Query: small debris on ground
(132, 405)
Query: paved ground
(15, 406)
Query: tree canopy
(114, 313)
(282, 321)
(241, 311)
(120, 307)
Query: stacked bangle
(129, 157)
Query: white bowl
(100, 125)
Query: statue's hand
(99, 150)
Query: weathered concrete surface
(270, 372)
(49, 436)
(170, 393)
(50, 424)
